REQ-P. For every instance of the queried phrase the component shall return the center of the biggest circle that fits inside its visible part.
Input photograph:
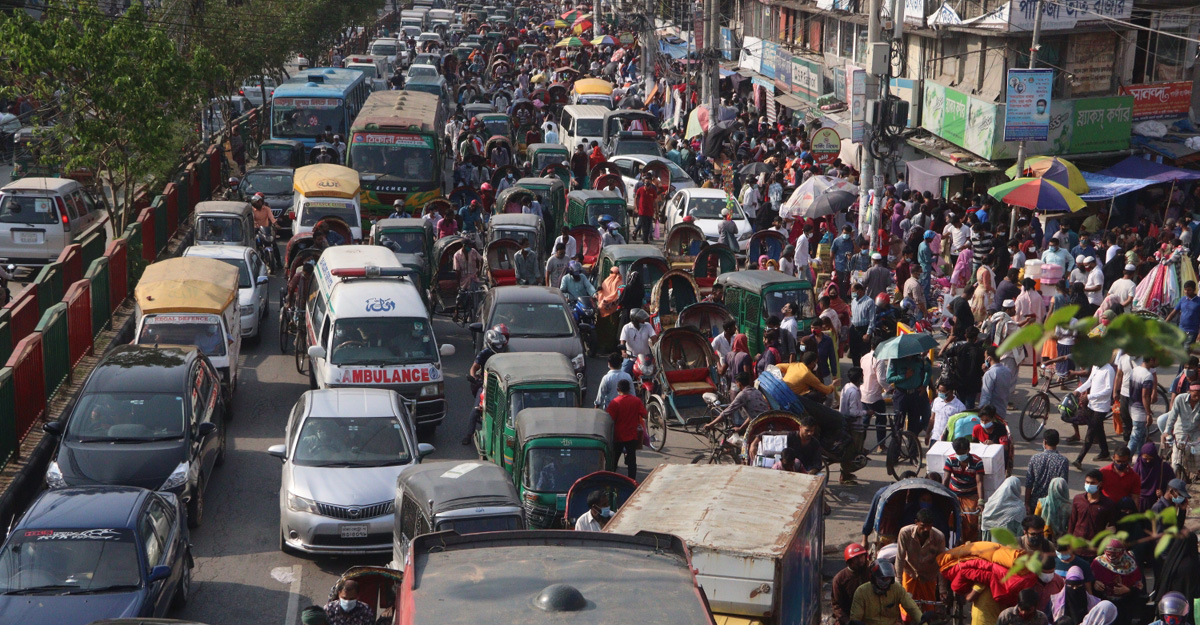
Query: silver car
(344, 449)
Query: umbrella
(584, 17)
(554, 24)
(618, 55)
(905, 345)
(1037, 193)
(804, 200)
(572, 14)
(604, 40)
(582, 25)
(755, 168)
(572, 42)
(1053, 168)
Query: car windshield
(294, 118)
(677, 173)
(267, 183)
(219, 229)
(561, 398)
(533, 320)
(555, 469)
(382, 341)
(27, 209)
(274, 157)
(312, 212)
(589, 127)
(638, 146)
(479, 524)
(597, 100)
(244, 281)
(351, 442)
(548, 157)
(404, 242)
(513, 234)
(200, 330)
(802, 298)
(423, 70)
(496, 127)
(134, 417)
(406, 158)
(69, 561)
(383, 49)
(596, 210)
(711, 207)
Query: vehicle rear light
(62, 211)
(291, 214)
(241, 92)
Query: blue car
(84, 554)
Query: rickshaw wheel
(656, 419)
(284, 339)
(1033, 417)
(302, 364)
(903, 454)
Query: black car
(150, 417)
(275, 183)
(83, 554)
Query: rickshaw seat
(504, 277)
(706, 283)
(690, 381)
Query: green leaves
(1030, 334)
(1138, 336)
(1162, 545)
(1003, 536)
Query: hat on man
(1090, 260)
(876, 256)
(1131, 268)
(1008, 303)
(1079, 260)
(1180, 486)
(928, 234)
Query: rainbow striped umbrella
(1053, 168)
(582, 25)
(554, 24)
(1038, 194)
(572, 14)
(604, 40)
(572, 42)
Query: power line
(1108, 18)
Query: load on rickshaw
(682, 244)
(684, 369)
(500, 262)
(674, 292)
(707, 318)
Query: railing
(30, 384)
(100, 289)
(79, 321)
(56, 354)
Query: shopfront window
(860, 51)
(831, 35)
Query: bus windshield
(296, 118)
(402, 157)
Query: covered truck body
(755, 535)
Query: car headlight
(177, 478)
(431, 390)
(246, 310)
(300, 504)
(577, 362)
(54, 476)
(745, 235)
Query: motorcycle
(5, 293)
(264, 242)
(643, 376)
(584, 311)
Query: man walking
(628, 415)
(918, 547)
(1043, 467)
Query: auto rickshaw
(897, 506)
(645, 259)
(712, 261)
(281, 153)
(754, 296)
(462, 53)
(443, 293)
(516, 227)
(556, 447)
(709, 318)
(551, 193)
(509, 201)
(411, 239)
(585, 208)
(616, 487)
(588, 240)
(520, 380)
(475, 109)
(497, 124)
(769, 243)
(671, 294)
(683, 243)
(500, 267)
(685, 369)
(220, 222)
(558, 170)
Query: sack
(1118, 424)
(1068, 409)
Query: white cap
(1008, 303)
(876, 256)
(1079, 260)
(1130, 267)
(1090, 260)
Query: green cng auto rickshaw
(551, 193)
(753, 296)
(411, 239)
(556, 447)
(513, 382)
(281, 153)
(539, 155)
(584, 208)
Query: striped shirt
(862, 313)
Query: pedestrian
(1188, 311)
(910, 378)
(1095, 402)
(646, 203)
(851, 406)
(1091, 511)
(989, 430)
(1074, 601)
(1176, 497)
(1120, 580)
(1026, 611)
(1143, 391)
(997, 384)
(629, 416)
(963, 475)
(918, 548)
(1182, 427)
(346, 609)
(1044, 467)
(1154, 475)
(1178, 570)
(848, 580)
(1120, 480)
(556, 265)
(945, 405)
(862, 321)
(1005, 509)
(607, 390)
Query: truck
(547, 577)
(755, 536)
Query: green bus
(396, 148)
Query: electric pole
(712, 61)
(1033, 51)
(868, 160)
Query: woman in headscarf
(1004, 509)
(1079, 298)
(1104, 613)
(596, 157)
(1119, 580)
(960, 310)
(633, 296)
(610, 292)
(985, 291)
(962, 269)
(1155, 475)
(1055, 508)
(739, 357)
(1179, 569)
(1073, 601)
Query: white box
(992, 456)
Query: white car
(386, 47)
(424, 37)
(252, 281)
(343, 450)
(422, 70)
(252, 89)
(631, 169)
(705, 206)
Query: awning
(927, 174)
(726, 72)
(1138, 167)
(792, 103)
(1103, 187)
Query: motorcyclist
(263, 217)
(636, 338)
(574, 285)
(495, 341)
(397, 210)
(612, 235)
(1172, 609)
(879, 601)
(232, 192)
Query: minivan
(581, 123)
(41, 216)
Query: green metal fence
(97, 274)
(161, 234)
(49, 285)
(137, 264)
(93, 246)
(56, 352)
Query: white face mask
(1045, 577)
(347, 604)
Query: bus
(396, 147)
(316, 99)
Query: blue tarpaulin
(1106, 187)
(1138, 167)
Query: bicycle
(902, 448)
(724, 444)
(1037, 408)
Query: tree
(125, 95)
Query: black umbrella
(755, 168)
(829, 203)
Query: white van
(368, 326)
(41, 216)
(581, 123)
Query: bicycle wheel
(302, 363)
(285, 340)
(1033, 416)
(904, 454)
(656, 420)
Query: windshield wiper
(331, 463)
(99, 589)
(36, 589)
(120, 439)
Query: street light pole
(1033, 50)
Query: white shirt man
(722, 346)
(569, 243)
(803, 259)
(1123, 288)
(959, 235)
(750, 199)
(1093, 284)
(1099, 388)
(942, 410)
(637, 340)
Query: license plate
(353, 531)
(29, 237)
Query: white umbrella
(805, 195)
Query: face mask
(1120, 466)
(964, 457)
(347, 604)
(854, 296)
(1091, 488)
(1064, 557)
(845, 236)
(941, 396)
(989, 425)
(1178, 500)
(606, 512)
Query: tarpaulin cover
(187, 284)
(1105, 187)
(927, 173)
(1138, 167)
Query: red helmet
(487, 186)
(502, 329)
(882, 299)
(853, 550)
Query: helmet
(853, 550)
(612, 225)
(574, 268)
(502, 329)
(883, 576)
(398, 203)
(233, 182)
(495, 341)
(258, 198)
(1173, 604)
(882, 299)
(637, 314)
(605, 219)
(487, 186)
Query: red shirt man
(645, 199)
(628, 413)
(1120, 481)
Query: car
(634, 142)
(705, 206)
(410, 31)
(631, 168)
(421, 69)
(343, 450)
(147, 416)
(252, 89)
(424, 37)
(387, 47)
(537, 320)
(41, 216)
(275, 183)
(253, 302)
(81, 554)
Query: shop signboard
(783, 69)
(1019, 15)
(806, 79)
(1164, 100)
(858, 103)
(954, 117)
(1027, 104)
(767, 65)
(751, 54)
(826, 145)
(1102, 124)
(727, 43)
(839, 84)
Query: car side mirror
(206, 428)
(264, 279)
(279, 451)
(158, 574)
(476, 327)
(424, 449)
(446, 350)
(53, 428)
(316, 351)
